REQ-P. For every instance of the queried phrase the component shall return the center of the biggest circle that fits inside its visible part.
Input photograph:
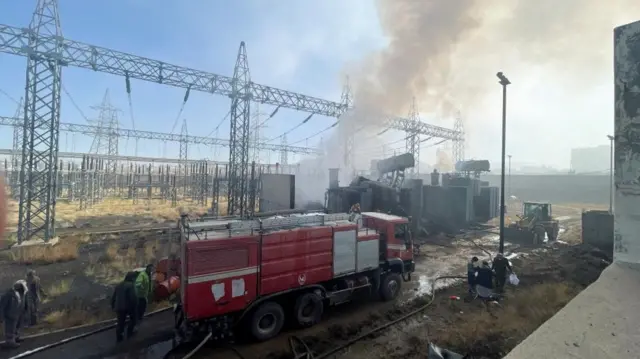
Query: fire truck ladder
(199, 228)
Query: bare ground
(81, 287)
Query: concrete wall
(277, 192)
(627, 143)
(589, 189)
(597, 230)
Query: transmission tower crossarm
(15, 40)
(91, 130)
(422, 128)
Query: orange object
(160, 277)
(167, 287)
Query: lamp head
(503, 79)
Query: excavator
(531, 227)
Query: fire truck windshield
(401, 231)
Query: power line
(292, 129)
(9, 96)
(73, 102)
(315, 134)
(270, 117)
(219, 124)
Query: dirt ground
(79, 278)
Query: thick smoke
(445, 53)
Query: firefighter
(472, 266)
(12, 309)
(124, 302)
(32, 296)
(500, 267)
(143, 290)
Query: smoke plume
(445, 53)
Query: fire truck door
(383, 244)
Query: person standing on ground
(33, 296)
(125, 302)
(11, 308)
(471, 273)
(484, 276)
(500, 266)
(143, 290)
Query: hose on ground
(309, 355)
(28, 353)
(199, 346)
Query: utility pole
(611, 139)
(509, 175)
(504, 81)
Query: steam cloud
(445, 54)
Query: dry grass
(74, 316)
(63, 251)
(154, 210)
(117, 212)
(59, 288)
(498, 329)
(114, 264)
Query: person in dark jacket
(33, 297)
(484, 276)
(471, 273)
(12, 310)
(125, 302)
(501, 266)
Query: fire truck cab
(255, 274)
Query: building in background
(590, 159)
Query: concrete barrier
(597, 230)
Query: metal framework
(17, 152)
(239, 138)
(38, 175)
(92, 130)
(284, 154)
(106, 140)
(47, 51)
(413, 138)
(458, 146)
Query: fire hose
(307, 353)
(28, 353)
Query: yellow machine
(531, 227)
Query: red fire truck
(257, 273)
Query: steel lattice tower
(255, 134)
(39, 163)
(17, 149)
(458, 146)
(413, 137)
(184, 137)
(106, 140)
(239, 134)
(348, 131)
(284, 153)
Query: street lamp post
(509, 176)
(611, 138)
(504, 81)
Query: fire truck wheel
(308, 309)
(390, 286)
(267, 321)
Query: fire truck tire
(267, 321)
(308, 309)
(390, 286)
